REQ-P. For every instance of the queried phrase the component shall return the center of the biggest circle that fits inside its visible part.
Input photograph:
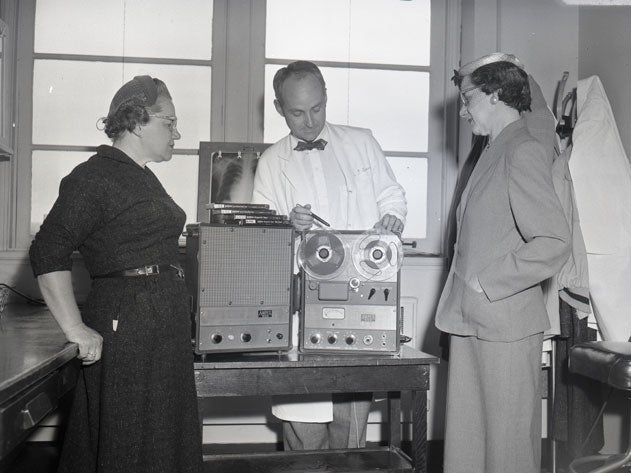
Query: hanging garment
(602, 182)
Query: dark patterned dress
(135, 410)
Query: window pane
(345, 30)
(397, 114)
(178, 176)
(411, 173)
(65, 111)
(123, 27)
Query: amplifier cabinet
(240, 282)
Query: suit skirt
(493, 420)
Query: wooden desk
(224, 375)
(37, 367)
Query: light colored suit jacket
(512, 234)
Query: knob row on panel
(245, 337)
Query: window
(83, 52)
(373, 81)
(383, 60)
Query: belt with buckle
(150, 270)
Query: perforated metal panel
(245, 266)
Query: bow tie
(304, 145)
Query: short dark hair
(295, 69)
(509, 80)
(130, 113)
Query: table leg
(394, 419)
(419, 431)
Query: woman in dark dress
(135, 405)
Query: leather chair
(608, 363)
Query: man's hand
(301, 217)
(390, 223)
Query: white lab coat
(602, 183)
(285, 177)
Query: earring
(493, 99)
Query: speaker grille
(245, 266)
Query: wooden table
(225, 375)
(37, 367)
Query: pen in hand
(316, 217)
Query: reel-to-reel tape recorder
(350, 291)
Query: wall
(605, 36)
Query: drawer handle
(35, 410)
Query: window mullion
(238, 70)
(21, 224)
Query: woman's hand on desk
(57, 290)
(90, 342)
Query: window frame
(8, 13)
(237, 97)
(6, 107)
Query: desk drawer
(20, 414)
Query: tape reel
(377, 256)
(322, 254)
(372, 255)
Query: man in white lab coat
(341, 174)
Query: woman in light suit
(511, 235)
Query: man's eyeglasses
(172, 120)
(467, 100)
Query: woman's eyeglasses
(467, 100)
(172, 120)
